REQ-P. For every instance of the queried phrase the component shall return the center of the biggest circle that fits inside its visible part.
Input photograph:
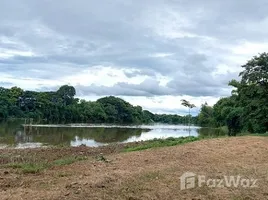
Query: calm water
(13, 134)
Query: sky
(152, 53)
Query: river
(13, 134)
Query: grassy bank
(34, 165)
(37, 160)
(145, 174)
(161, 143)
(207, 133)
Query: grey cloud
(67, 36)
(203, 85)
(37, 70)
(149, 87)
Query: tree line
(246, 110)
(61, 106)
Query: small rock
(67, 193)
(6, 172)
(71, 185)
(100, 186)
(77, 191)
(74, 183)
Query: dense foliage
(62, 107)
(247, 108)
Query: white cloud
(247, 48)
(5, 53)
(161, 55)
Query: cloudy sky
(152, 53)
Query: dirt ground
(149, 174)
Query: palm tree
(190, 106)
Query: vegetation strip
(61, 107)
(38, 166)
(162, 143)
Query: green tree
(252, 94)
(66, 93)
(206, 116)
(189, 106)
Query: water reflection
(21, 136)
(164, 133)
(14, 134)
(212, 132)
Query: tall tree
(247, 108)
(206, 116)
(189, 106)
(66, 93)
(252, 93)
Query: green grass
(155, 143)
(68, 160)
(36, 167)
(28, 168)
(162, 143)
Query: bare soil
(150, 174)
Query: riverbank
(111, 173)
(36, 160)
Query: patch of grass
(14, 165)
(68, 160)
(28, 168)
(33, 168)
(36, 167)
(162, 143)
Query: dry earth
(149, 174)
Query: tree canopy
(61, 106)
(247, 108)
